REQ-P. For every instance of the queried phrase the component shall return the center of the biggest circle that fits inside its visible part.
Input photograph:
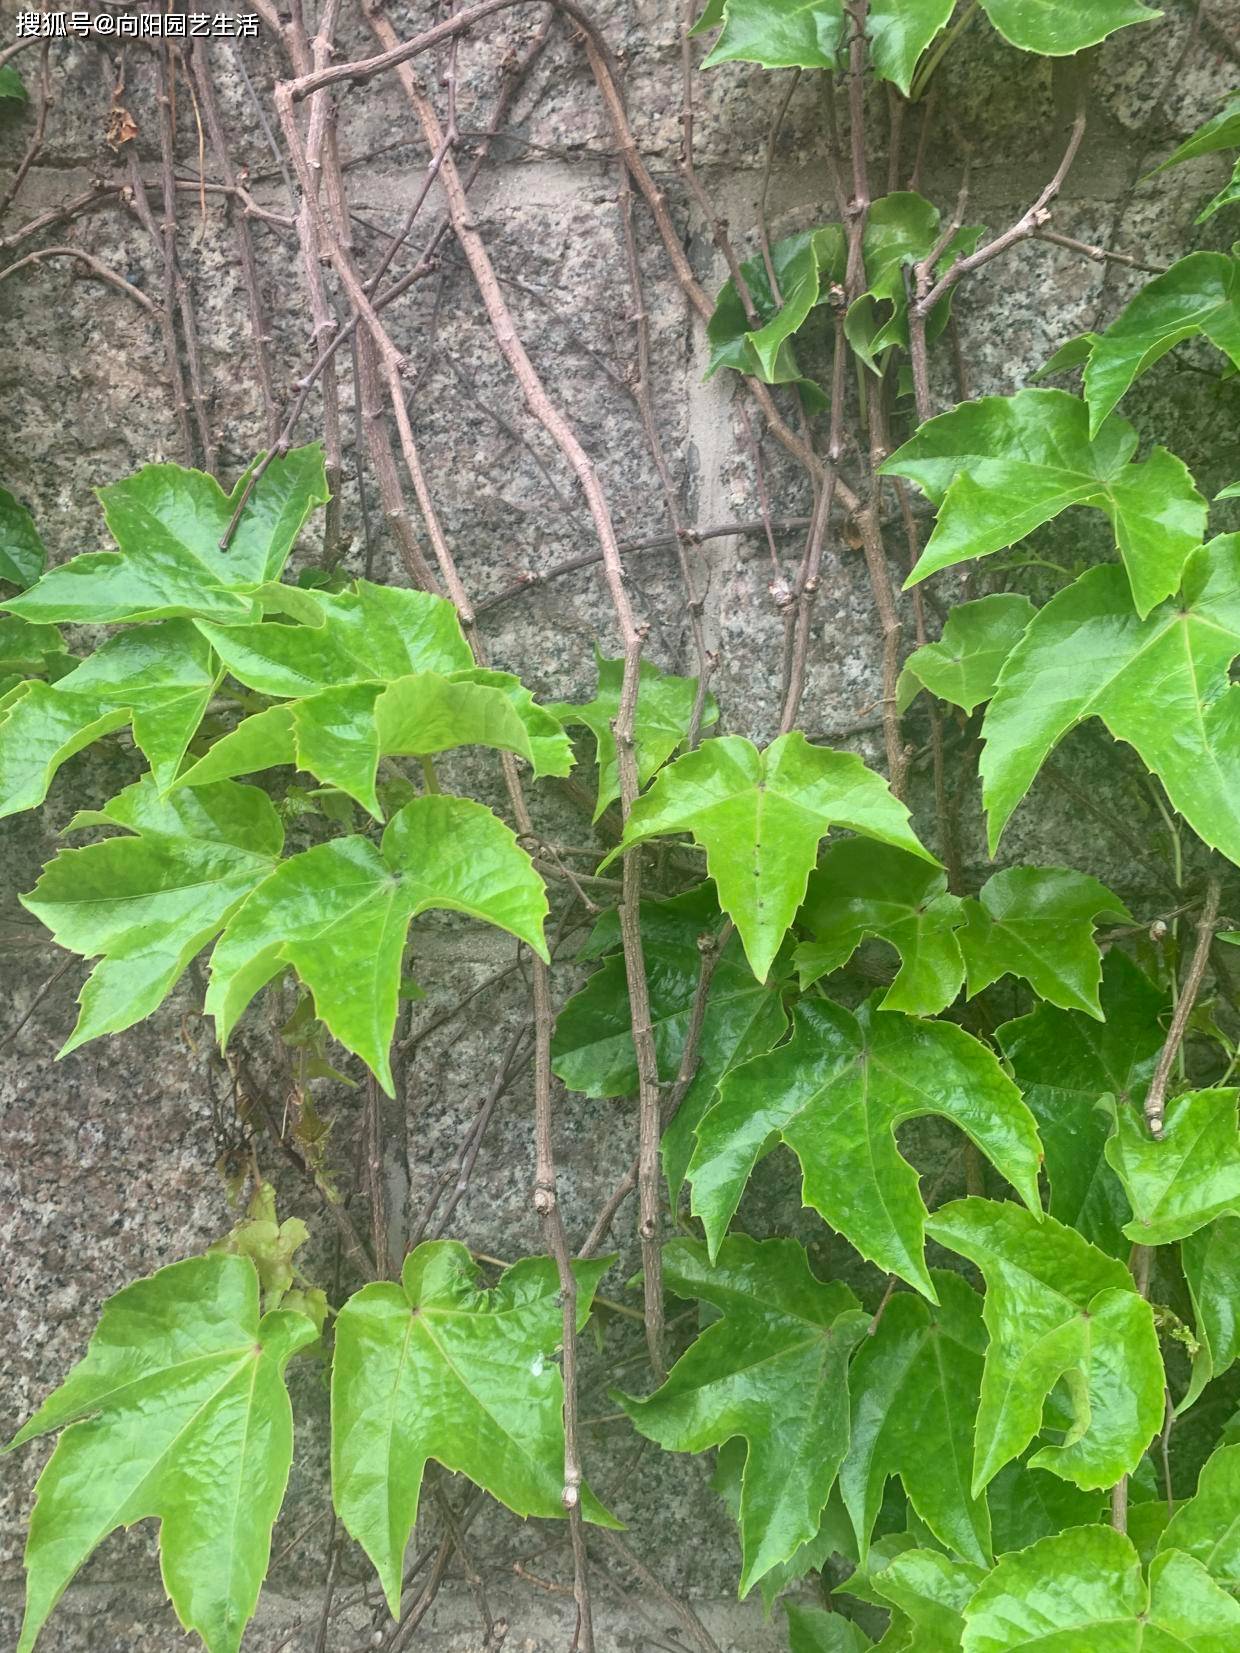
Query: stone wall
(107, 1164)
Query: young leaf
(661, 721)
(901, 230)
(807, 266)
(760, 817)
(22, 556)
(1226, 197)
(1064, 1062)
(1207, 1526)
(931, 1591)
(369, 634)
(592, 1050)
(963, 666)
(167, 523)
(1038, 923)
(339, 914)
(805, 35)
(999, 467)
(436, 1368)
(1083, 1589)
(900, 31)
(1211, 1262)
(30, 651)
(12, 87)
(1161, 684)
(147, 904)
(914, 1385)
(773, 1368)
(1198, 295)
(811, 1630)
(1186, 1178)
(179, 1412)
(1056, 1307)
(836, 1094)
(1061, 28)
(1221, 131)
(862, 889)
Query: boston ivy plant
(989, 1441)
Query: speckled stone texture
(107, 1159)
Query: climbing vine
(1009, 1419)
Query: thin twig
(1155, 1099)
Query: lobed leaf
(804, 35)
(1207, 1525)
(339, 914)
(773, 1369)
(812, 1630)
(147, 904)
(437, 1368)
(963, 666)
(931, 1591)
(167, 523)
(760, 817)
(836, 1093)
(177, 1411)
(1057, 1308)
(1187, 1177)
(1161, 684)
(999, 467)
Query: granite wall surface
(107, 1160)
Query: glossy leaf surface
(1060, 28)
(773, 1369)
(147, 904)
(167, 523)
(803, 35)
(963, 666)
(835, 1094)
(807, 266)
(437, 1368)
(1161, 684)
(1211, 1262)
(1186, 1178)
(931, 1591)
(661, 721)
(1207, 1526)
(760, 817)
(811, 1630)
(21, 549)
(862, 889)
(1038, 923)
(1066, 1064)
(1084, 1589)
(998, 468)
(179, 1412)
(914, 1386)
(339, 914)
(1056, 1307)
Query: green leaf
(1038, 923)
(1211, 1262)
(932, 1591)
(1075, 353)
(807, 266)
(711, 17)
(811, 1630)
(1060, 28)
(833, 1535)
(22, 556)
(773, 1369)
(167, 523)
(1221, 131)
(1161, 684)
(660, 723)
(779, 34)
(900, 31)
(914, 1385)
(1083, 1589)
(901, 230)
(341, 734)
(1028, 1504)
(12, 88)
(999, 467)
(39, 730)
(836, 1094)
(146, 905)
(178, 1412)
(1057, 1308)
(862, 889)
(339, 914)
(963, 666)
(370, 634)
(1226, 197)
(436, 1368)
(1064, 1062)
(31, 651)
(760, 817)
(1200, 295)
(592, 1049)
(1186, 1178)
(1207, 1526)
